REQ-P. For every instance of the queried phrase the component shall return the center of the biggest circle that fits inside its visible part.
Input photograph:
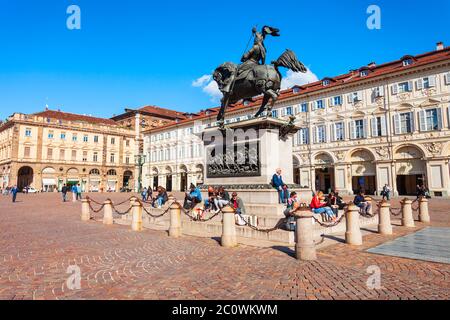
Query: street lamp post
(140, 161)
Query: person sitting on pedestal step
(318, 206)
(292, 205)
(360, 202)
(331, 201)
(222, 198)
(277, 183)
(192, 198)
(238, 205)
(209, 202)
(162, 197)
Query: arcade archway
(25, 177)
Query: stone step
(262, 210)
(214, 228)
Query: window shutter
(314, 135)
(349, 98)
(333, 132)
(306, 133)
(331, 102)
(325, 127)
(447, 78)
(373, 124)
(359, 95)
(413, 121)
(314, 105)
(448, 116)
(419, 84)
(394, 89)
(432, 81)
(352, 129)
(410, 86)
(397, 128)
(383, 126)
(422, 120)
(439, 118)
(366, 128)
(381, 91)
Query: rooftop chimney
(439, 46)
(372, 65)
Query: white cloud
(209, 86)
(298, 78)
(200, 82)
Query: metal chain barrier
(155, 215)
(276, 227)
(395, 211)
(377, 212)
(96, 210)
(330, 225)
(121, 213)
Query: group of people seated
(217, 199)
(327, 206)
(157, 198)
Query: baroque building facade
(375, 125)
(48, 149)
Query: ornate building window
(321, 134)
(430, 119)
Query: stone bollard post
(175, 219)
(108, 218)
(384, 221)
(136, 219)
(353, 234)
(305, 248)
(126, 216)
(407, 215)
(85, 210)
(424, 215)
(228, 228)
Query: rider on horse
(255, 56)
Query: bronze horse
(260, 79)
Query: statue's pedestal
(245, 156)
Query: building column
(175, 182)
(340, 179)
(313, 178)
(438, 177)
(162, 180)
(394, 179)
(383, 175)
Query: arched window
(112, 172)
(94, 172)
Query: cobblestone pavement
(41, 237)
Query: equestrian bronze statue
(253, 77)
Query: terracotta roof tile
(315, 87)
(59, 115)
(163, 112)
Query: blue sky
(133, 53)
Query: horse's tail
(289, 60)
